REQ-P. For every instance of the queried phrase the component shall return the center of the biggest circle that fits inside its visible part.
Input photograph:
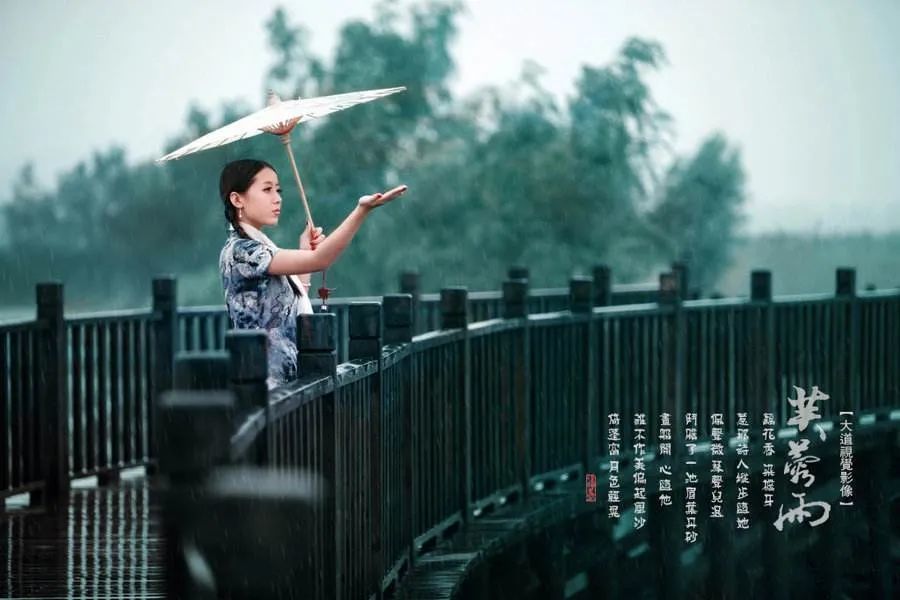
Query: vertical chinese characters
(691, 480)
(742, 471)
(639, 476)
(768, 482)
(717, 471)
(665, 450)
(613, 440)
(846, 455)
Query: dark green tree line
(506, 175)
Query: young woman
(265, 286)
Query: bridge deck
(106, 543)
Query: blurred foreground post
(230, 531)
(317, 358)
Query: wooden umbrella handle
(286, 140)
(324, 291)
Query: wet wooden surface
(105, 544)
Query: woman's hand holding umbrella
(310, 238)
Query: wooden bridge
(452, 445)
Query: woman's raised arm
(298, 262)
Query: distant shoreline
(16, 313)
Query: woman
(266, 287)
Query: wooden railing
(204, 327)
(76, 393)
(418, 435)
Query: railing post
(248, 367)
(165, 328)
(365, 330)
(669, 292)
(666, 529)
(195, 420)
(602, 285)
(761, 286)
(515, 306)
(845, 288)
(518, 272)
(761, 399)
(397, 314)
(455, 315)
(409, 284)
(761, 383)
(580, 295)
(51, 398)
(398, 318)
(674, 368)
(515, 299)
(845, 281)
(317, 345)
(454, 308)
(196, 423)
(365, 344)
(764, 398)
(680, 269)
(207, 370)
(521, 273)
(194, 433)
(581, 299)
(317, 357)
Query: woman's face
(261, 204)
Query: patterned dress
(257, 300)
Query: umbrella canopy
(278, 115)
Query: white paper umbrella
(279, 118)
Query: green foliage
(504, 176)
(699, 212)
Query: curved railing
(81, 387)
(419, 435)
(204, 327)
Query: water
(16, 313)
(106, 543)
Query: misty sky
(808, 89)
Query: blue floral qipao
(256, 299)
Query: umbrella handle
(286, 140)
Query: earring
(240, 213)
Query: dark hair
(236, 177)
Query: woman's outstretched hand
(375, 200)
(310, 238)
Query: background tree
(699, 212)
(505, 175)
